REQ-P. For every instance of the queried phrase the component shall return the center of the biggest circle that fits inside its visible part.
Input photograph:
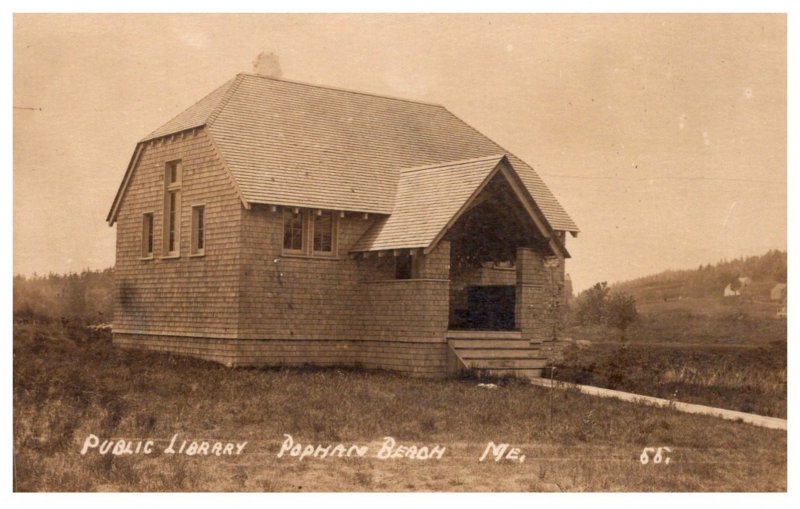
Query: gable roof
(295, 144)
(423, 212)
(421, 209)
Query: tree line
(79, 298)
(709, 280)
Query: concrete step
(489, 343)
(498, 353)
(479, 334)
(500, 363)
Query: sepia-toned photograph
(452, 252)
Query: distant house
(778, 292)
(281, 223)
(730, 291)
(737, 287)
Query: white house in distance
(735, 288)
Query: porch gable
(431, 199)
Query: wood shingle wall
(244, 302)
(186, 295)
(538, 289)
(286, 297)
(281, 310)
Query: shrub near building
(600, 306)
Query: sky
(663, 136)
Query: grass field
(698, 321)
(739, 378)
(712, 351)
(70, 383)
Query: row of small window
(298, 228)
(304, 232)
(309, 233)
(172, 230)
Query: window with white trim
(294, 231)
(309, 233)
(198, 229)
(147, 235)
(324, 233)
(172, 205)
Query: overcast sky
(663, 136)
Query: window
(147, 235)
(173, 172)
(403, 266)
(172, 203)
(198, 229)
(323, 233)
(293, 231)
(309, 233)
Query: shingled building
(282, 223)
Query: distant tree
(590, 307)
(621, 311)
(709, 279)
(87, 297)
(778, 268)
(600, 306)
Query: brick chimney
(267, 64)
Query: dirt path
(680, 345)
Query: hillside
(690, 307)
(688, 341)
(709, 281)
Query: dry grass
(712, 351)
(738, 378)
(69, 383)
(682, 324)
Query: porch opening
(483, 250)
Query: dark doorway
(490, 307)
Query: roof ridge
(452, 163)
(340, 89)
(509, 153)
(223, 101)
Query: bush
(590, 307)
(599, 306)
(621, 311)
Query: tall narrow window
(323, 232)
(147, 235)
(172, 172)
(293, 231)
(198, 229)
(171, 229)
(172, 201)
